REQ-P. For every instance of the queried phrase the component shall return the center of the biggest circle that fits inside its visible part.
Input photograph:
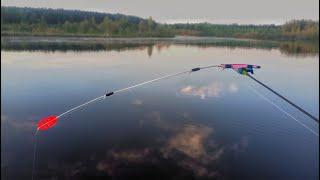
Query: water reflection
(150, 48)
(299, 48)
(186, 151)
(192, 146)
(208, 126)
(182, 149)
(212, 90)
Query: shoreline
(100, 39)
(46, 43)
(134, 39)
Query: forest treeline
(41, 21)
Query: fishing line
(282, 110)
(284, 98)
(34, 154)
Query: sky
(192, 11)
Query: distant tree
(84, 26)
(150, 24)
(105, 26)
(42, 24)
(142, 27)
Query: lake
(205, 125)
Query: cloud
(129, 155)
(192, 146)
(240, 146)
(154, 118)
(189, 148)
(137, 102)
(117, 161)
(212, 90)
(189, 140)
(233, 88)
(18, 125)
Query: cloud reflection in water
(192, 145)
(212, 90)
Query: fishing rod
(243, 69)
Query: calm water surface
(206, 125)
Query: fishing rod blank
(283, 111)
(284, 98)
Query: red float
(47, 123)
